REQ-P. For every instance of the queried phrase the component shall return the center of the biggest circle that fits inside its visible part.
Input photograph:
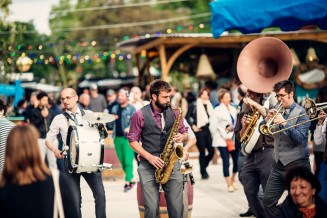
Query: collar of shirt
(155, 112)
(289, 109)
(78, 111)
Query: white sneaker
(230, 189)
(234, 186)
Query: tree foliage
(67, 40)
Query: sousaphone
(264, 62)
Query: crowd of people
(31, 154)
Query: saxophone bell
(179, 150)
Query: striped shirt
(5, 127)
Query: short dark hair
(286, 84)
(41, 95)
(301, 172)
(21, 103)
(3, 107)
(159, 85)
(241, 90)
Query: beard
(162, 106)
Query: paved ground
(211, 198)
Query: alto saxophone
(252, 121)
(251, 133)
(171, 153)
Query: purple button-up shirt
(137, 123)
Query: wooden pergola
(170, 46)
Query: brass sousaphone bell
(264, 62)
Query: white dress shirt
(319, 136)
(59, 125)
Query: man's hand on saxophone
(156, 161)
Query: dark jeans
(240, 161)
(276, 185)
(60, 162)
(224, 153)
(94, 180)
(204, 141)
(255, 172)
(319, 156)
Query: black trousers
(255, 172)
(94, 180)
(204, 141)
(319, 156)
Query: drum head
(72, 154)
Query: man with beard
(257, 165)
(152, 125)
(290, 146)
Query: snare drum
(86, 149)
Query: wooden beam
(163, 61)
(138, 66)
(215, 45)
(239, 38)
(177, 54)
(149, 45)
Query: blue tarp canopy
(251, 16)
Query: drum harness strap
(100, 127)
(69, 117)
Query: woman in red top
(302, 201)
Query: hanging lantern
(205, 70)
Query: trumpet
(310, 108)
(266, 129)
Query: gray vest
(286, 150)
(153, 139)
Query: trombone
(310, 108)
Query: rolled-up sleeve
(54, 130)
(182, 128)
(137, 123)
(319, 136)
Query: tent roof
(252, 16)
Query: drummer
(60, 125)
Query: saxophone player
(152, 125)
(257, 165)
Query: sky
(36, 10)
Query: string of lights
(80, 54)
(104, 41)
(105, 7)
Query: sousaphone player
(262, 62)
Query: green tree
(21, 38)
